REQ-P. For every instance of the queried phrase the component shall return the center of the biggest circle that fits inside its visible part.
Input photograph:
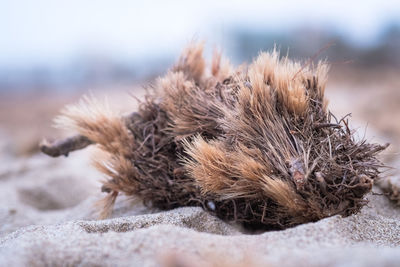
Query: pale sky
(52, 32)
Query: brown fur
(256, 145)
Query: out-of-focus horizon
(70, 45)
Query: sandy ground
(49, 216)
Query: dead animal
(254, 144)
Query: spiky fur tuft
(256, 145)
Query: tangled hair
(256, 144)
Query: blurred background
(52, 52)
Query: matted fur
(255, 144)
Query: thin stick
(63, 147)
(76, 142)
(326, 125)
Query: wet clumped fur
(254, 144)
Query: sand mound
(368, 239)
